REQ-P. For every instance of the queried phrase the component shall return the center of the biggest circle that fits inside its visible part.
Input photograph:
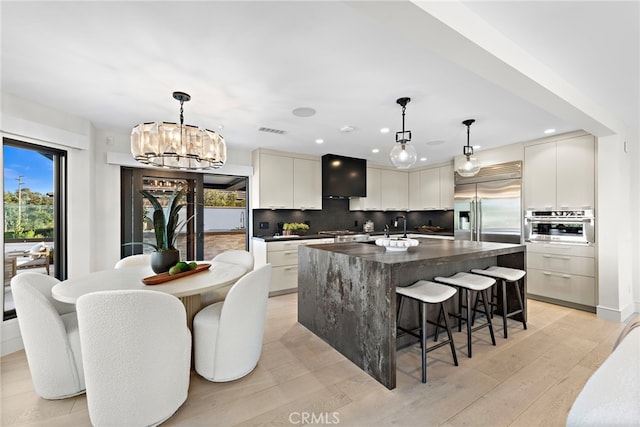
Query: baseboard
(11, 338)
(283, 292)
(617, 315)
(562, 303)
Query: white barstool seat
(470, 283)
(427, 293)
(506, 276)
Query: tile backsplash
(335, 215)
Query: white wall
(107, 184)
(29, 122)
(614, 218)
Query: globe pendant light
(403, 154)
(471, 166)
(178, 146)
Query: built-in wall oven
(560, 226)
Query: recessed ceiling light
(347, 129)
(548, 131)
(423, 159)
(304, 112)
(375, 150)
(319, 141)
(384, 130)
(476, 147)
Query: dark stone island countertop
(346, 291)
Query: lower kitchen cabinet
(283, 256)
(562, 273)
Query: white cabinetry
(283, 256)
(394, 190)
(372, 201)
(446, 187)
(431, 189)
(562, 272)
(284, 181)
(307, 184)
(560, 174)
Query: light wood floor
(531, 379)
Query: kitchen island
(346, 291)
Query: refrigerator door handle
(472, 220)
(479, 222)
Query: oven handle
(563, 220)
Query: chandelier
(403, 155)
(471, 165)
(176, 146)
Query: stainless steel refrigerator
(488, 206)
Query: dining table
(187, 288)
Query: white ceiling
(247, 65)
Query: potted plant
(298, 228)
(166, 226)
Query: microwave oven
(560, 226)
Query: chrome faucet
(386, 231)
(404, 223)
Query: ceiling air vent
(270, 130)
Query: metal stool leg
(437, 333)
(460, 310)
(486, 310)
(448, 325)
(423, 340)
(520, 300)
(505, 310)
(468, 294)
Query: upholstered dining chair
(49, 330)
(136, 351)
(134, 261)
(228, 334)
(239, 257)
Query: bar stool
(427, 292)
(471, 283)
(506, 276)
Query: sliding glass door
(216, 208)
(34, 213)
(137, 223)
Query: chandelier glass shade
(178, 146)
(403, 154)
(471, 165)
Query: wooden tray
(166, 277)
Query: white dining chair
(49, 330)
(228, 334)
(239, 257)
(138, 260)
(136, 354)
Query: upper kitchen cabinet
(446, 187)
(560, 175)
(431, 189)
(424, 189)
(284, 181)
(372, 201)
(394, 190)
(307, 184)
